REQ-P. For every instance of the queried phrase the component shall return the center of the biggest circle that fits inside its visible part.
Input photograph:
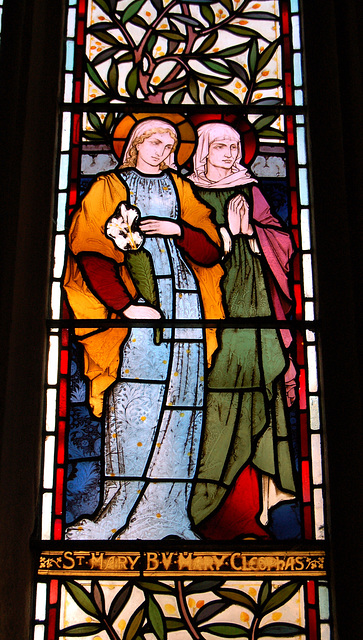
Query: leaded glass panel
(183, 430)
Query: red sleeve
(101, 274)
(197, 245)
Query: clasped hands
(238, 221)
(152, 227)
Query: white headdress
(212, 132)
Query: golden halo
(186, 132)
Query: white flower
(123, 229)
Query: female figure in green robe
(245, 446)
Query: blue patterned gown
(154, 412)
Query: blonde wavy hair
(131, 154)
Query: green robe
(245, 415)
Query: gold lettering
(80, 557)
(252, 565)
(233, 563)
(97, 561)
(280, 564)
(261, 564)
(184, 562)
(198, 563)
(152, 561)
(219, 561)
(68, 556)
(290, 563)
(166, 560)
(110, 564)
(271, 563)
(299, 563)
(132, 561)
(244, 563)
(122, 563)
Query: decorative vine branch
(185, 612)
(198, 34)
(150, 618)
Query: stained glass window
(182, 444)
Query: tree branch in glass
(178, 53)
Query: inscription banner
(171, 563)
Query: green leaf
(242, 31)
(193, 89)
(268, 84)
(106, 37)
(156, 618)
(239, 71)
(102, 4)
(98, 597)
(202, 586)
(253, 58)
(81, 630)
(271, 133)
(209, 610)
(268, 102)
(174, 624)
(264, 121)
(208, 14)
(100, 26)
(132, 81)
(100, 100)
(94, 121)
(119, 601)
(155, 587)
(267, 54)
(126, 57)
(134, 624)
(259, 15)
(89, 135)
(217, 67)
(214, 80)
(280, 630)
(171, 35)
(226, 630)
(176, 17)
(151, 43)
(140, 22)
(112, 77)
(265, 589)
(228, 4)
(132, 10)
(233, 51)
(281, 595)
(177, 97)
(95, 77)
(208, 43)
(141, 269)
(209, 98)
(227, 96)
(82, 598)
(105, 55)
(237, 597)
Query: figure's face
(222, 153)
(155, 149)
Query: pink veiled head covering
(149, 125)
(207, 134)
